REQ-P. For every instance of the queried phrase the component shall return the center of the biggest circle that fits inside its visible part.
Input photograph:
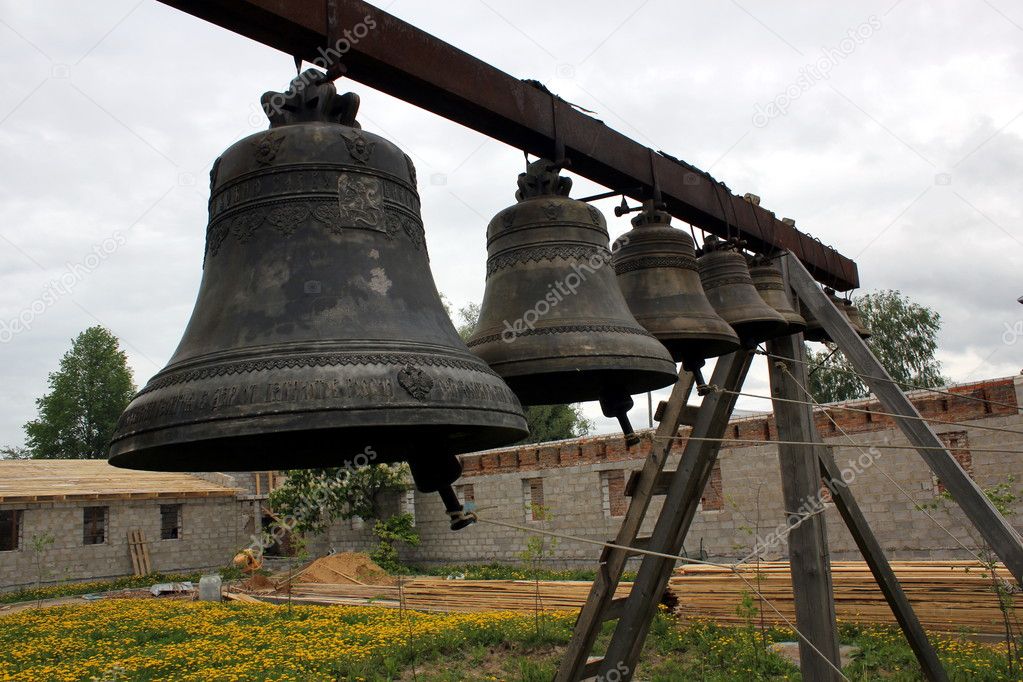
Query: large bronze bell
(729, 287)
(767, 279)
(318, 337)
(657, 273)
(553, 322)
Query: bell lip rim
(765, 332)
(121, 453)
(644, 380)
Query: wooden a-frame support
(803, 469)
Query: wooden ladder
(683, 485)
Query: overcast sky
(900, 143)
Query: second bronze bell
(553, 322)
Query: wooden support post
(879, 566)
(801, 488)
(1002, 537)
(612, 561)
(676, 516)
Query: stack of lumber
(947, 596)
(436, 594)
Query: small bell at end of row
(816, 333)
(658, 275)
(768, 280)
(856, 319)
(553, 322)
(729, 288)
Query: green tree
(555, 422)
(546, 422)
(310, 500)
(87, 395)
(15, 452)
(904, 340)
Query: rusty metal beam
(406, 62)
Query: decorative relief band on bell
(768, 285)
(645, 262)
(564, 329)
(184, 406)
(535, 254)
(285, 216)
(322, 360)
(716, 282)
(283, 182)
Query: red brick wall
(614, 480)
(535, 498)
(958, 443)
(466, 492)
(713, 495)
(611, 448)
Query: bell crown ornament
(657, 272)
(553, 322)
(318, 332)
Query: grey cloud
(160, 94)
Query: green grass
(73, 589)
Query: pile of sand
(257, 583)
(345, 568)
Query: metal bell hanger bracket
(654, 203)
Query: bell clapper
(459, 517)
(694, 367)
(618, 407)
